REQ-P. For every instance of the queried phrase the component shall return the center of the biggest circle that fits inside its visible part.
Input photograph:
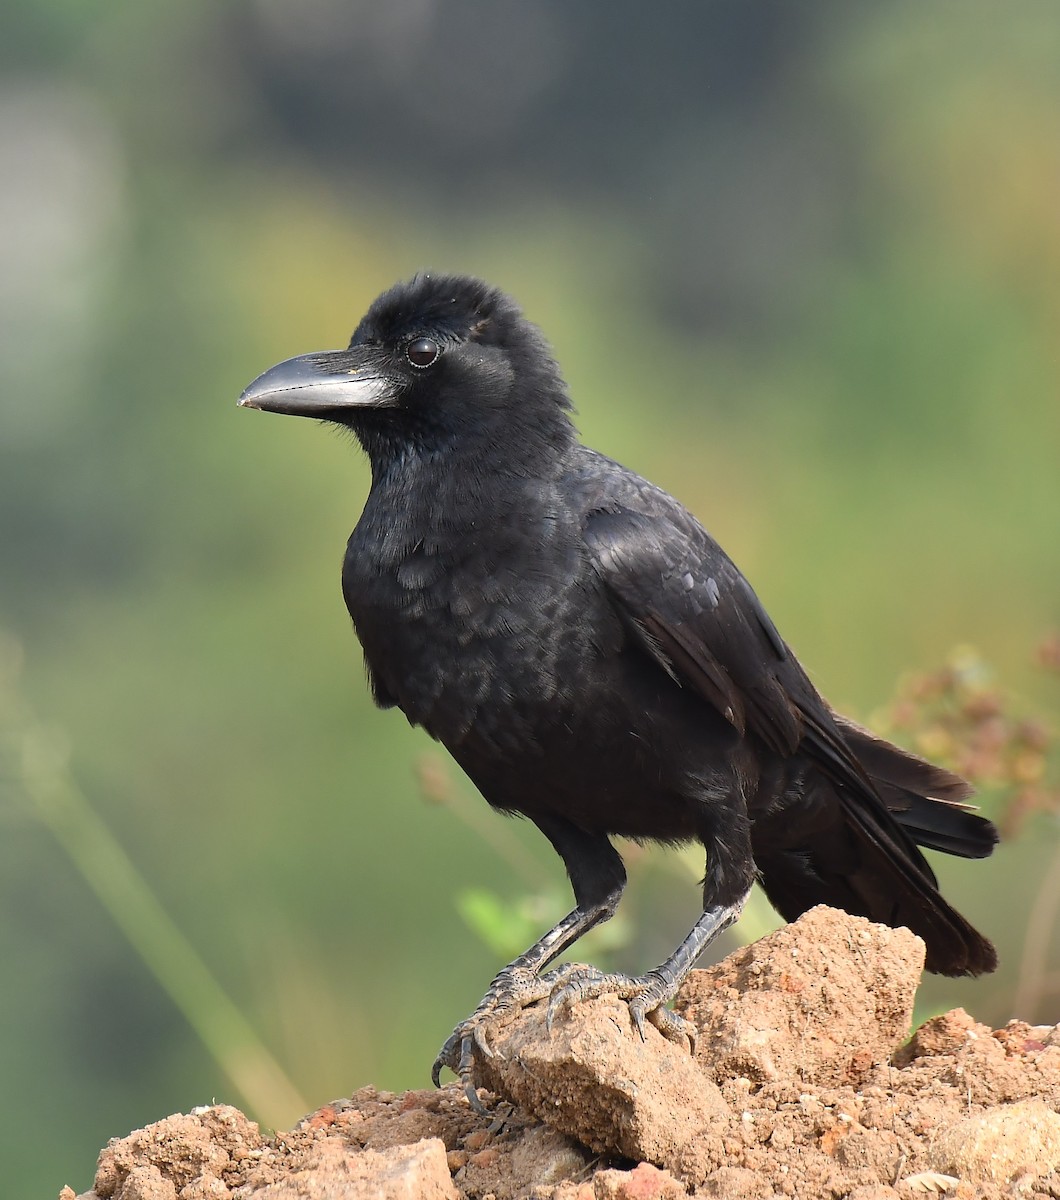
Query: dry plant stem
(1033, 979)
(42, 773)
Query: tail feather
(858, 867)
(863, 854)
(883, 760)
(933, 824)
(907, 898)
(926, 800)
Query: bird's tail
(927, 801)
(865, 858)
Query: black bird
(594, 661)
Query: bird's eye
(422, 352)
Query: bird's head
(437, 361)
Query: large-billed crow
(594, 661)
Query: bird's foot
(512, 990)
(646, 996)
(515, 988)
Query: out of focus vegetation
(800, 263)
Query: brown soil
(802, 1085)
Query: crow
(594, 661)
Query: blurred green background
(800, 264)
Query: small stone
(1011, 1141)
(945, 1034)
(146, 1183)
(644, 1182)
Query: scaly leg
(726, 886)
(598, 879)
(647, 995)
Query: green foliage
(507, 925)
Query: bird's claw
(646, 998)
(516, 987)
(461, 1048)
(674, 1028)
(512, 990)
(569, 984)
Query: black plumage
(594, 661)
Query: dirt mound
(800, 1086)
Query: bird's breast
(475, 631)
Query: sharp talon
(472, 1098)
(479, 1035)
(467, 1060)
(443, 1059)
(673, 1028)
(638, 1021)
(555, 1003)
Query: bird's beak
(320, 385)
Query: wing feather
(702, 620)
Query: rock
(416, 1172)
(962, 1113)
(177, 1152)
(944, 1034)
(736, 1183)
(544, 1156)
(644, 1182)
(822, 1000)
(1013, 1143)
(596, 1081)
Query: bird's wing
(697, 615)
(693, 611)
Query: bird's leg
(514, 987)
(726, 831)
(598, 878)
(647, 995)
